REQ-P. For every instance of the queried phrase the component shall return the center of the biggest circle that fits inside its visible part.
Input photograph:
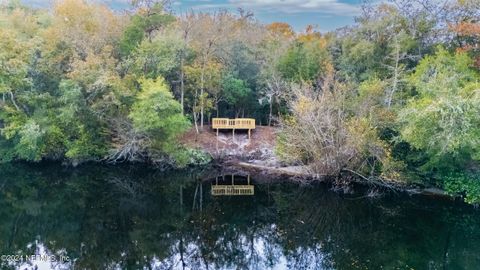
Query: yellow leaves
(212, 72)
(310, 36)
(87, 70)
(372, 88)
(84, 25)
(23, 22)
(303, 105)
(290, 120)
(14, 56)
(364, 139)
(393, 170)
(74, 13)
(362, 135)
(150, 87)
(471, 90)
(213, 76)
(281, 30)
(306, 38)
(8, 39)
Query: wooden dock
(237, 123)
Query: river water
(132, 217)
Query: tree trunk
(195, 120)
(395, 77)
(270, 112)
(12, 98)
(202, 85)
(397, 73)
(182, 84)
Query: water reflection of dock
(232, 189)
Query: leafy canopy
(443, 118)
(157, 114)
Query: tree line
(394, 96)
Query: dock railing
(237, 123)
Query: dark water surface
(136, 218)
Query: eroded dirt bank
(256, 156)
(259, 149)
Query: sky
(326, 15)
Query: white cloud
(44, 3)
(334, 7)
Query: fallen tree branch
(374, 180)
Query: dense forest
(394, 97)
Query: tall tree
(278, 39)
(208, 33)
(150, 17)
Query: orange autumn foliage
(471, 31)
(466, 28)
(281, 29)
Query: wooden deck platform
(237, 123)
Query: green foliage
(14, 54)
(158, 57)
(132, 35)
(235, 90)
(62, 96)
(57, 129)
(465, 185)
(359, 59)
(443, 118)
(81, 82)
(141, 25)
(85, 146)
(158, 115)
(443, 74)
(191, 157)
(30, 143)
(80, 129)
(304, 61)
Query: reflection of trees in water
(133, 217)
(372, 233)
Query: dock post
(233, 133)
(249, 133)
